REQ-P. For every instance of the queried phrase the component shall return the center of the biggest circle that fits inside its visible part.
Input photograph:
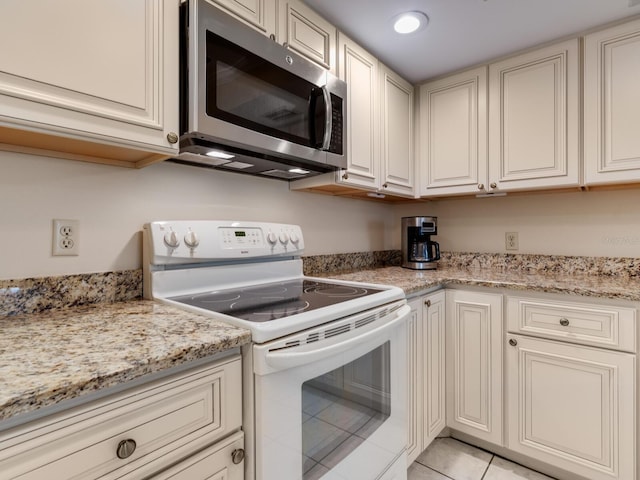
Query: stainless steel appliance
(325, 379)
(419, 252)
(250, 105)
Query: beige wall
(113, 203)
(593, 223)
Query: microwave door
(320, 115)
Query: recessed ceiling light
(219, 154)
(410, 22)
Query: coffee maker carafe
(419, 252)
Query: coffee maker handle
(437, 245)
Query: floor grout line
(488, 465)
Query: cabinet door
(397, 134)
(433, 366)
(453, 134)
(359, 69)
(307, 33)
(474, 364)
(259, 14)
(534, 119)
(213, 463)
(414, 381)
(572, 406)
(112, 81)
(612, 105)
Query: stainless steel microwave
(253, 106)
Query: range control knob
(284, 238)
(294, 238)
(171, 239)
(271, 238)
(191, 240)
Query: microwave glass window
(342, 408)
(249, 91)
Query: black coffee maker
(419, 252)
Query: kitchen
(113, 203)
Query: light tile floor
(449, 459)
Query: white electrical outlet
(65, 237)
(511, 240)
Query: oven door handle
(280, 360)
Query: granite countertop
(414, 281)
(49, 357)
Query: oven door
(331, 402)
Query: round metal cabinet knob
(564, 322)
(172, 137)
(427, 303)
(385, 185)
(513, 342)
(481, 186)
(126, 448)
(237, 455)
(493, 185)
(345, 176)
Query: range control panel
(190, 241)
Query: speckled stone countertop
(413, 281)
(49, 357)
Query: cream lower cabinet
(571, 384)
(474, 335)
(138, 433)
(612, 105)
(426, 375)
(572, 406)
(94, 81)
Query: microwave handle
(328, 111)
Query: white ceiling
(462, 33)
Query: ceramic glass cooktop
(271, 301)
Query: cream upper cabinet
(307, 33)
(453, 134)
(397, 156)
(474, 364)
(96, 81)
(572, 406)
(534, 117)
(612, 105)
(259, 14)
(359, 69)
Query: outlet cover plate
(511, 241)
(65, 237)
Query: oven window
(342, 408)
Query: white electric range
(325, 376)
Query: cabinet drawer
(213, 463)
(197, 407)
(584, 323)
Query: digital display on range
(241, 234)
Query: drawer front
(84, 445)
(588, 324)
(213, 463)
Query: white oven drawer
(167, 420)
(583, 323)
